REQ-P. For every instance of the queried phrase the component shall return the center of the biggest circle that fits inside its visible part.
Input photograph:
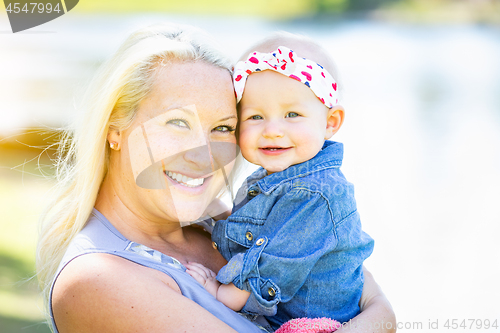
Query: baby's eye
(224, 129)
(179, 123)
(256, 117)
(291, 115)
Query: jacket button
(271, 292)
(259, 242)
(253, 193)
(249, 235)
(214, 245)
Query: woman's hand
(377, 315)
(204, 276)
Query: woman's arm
(105, 293)
(376, 314)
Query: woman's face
(177, 153)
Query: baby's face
(282, 122)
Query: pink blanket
(308, 325)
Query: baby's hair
(303, 46)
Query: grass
(21, 193)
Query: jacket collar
(330, 156)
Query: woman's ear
(334, 119)
(114, 139)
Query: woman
(152, 151)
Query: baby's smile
(274, 150)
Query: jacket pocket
(243, 231)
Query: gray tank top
(100, 236)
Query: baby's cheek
(245, 141)
(311, 143)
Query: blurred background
(421, 135)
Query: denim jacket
(295, 242)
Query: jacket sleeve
(298, 231)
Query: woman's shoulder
(101, 272)
(105, 293)
(104, 269)
(93, 286)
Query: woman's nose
(273, 129)
(200, 156)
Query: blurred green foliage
(402, 10)
(339, 6)
(22, 189)
(266, 8)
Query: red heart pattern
(284, 61)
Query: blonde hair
(110, 104)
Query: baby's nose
(273, 129)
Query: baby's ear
(334, 119)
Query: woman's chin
(191, 219)
(187, 215)
(193, 208)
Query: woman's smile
(192, 185)
(187, 185)
(185, 180)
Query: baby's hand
(204, 276)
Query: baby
(294, 243)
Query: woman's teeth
(184, 180)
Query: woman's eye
(256, 117)
(179, 123)
(224, 128)
(291, 115)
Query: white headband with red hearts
(286, 62)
